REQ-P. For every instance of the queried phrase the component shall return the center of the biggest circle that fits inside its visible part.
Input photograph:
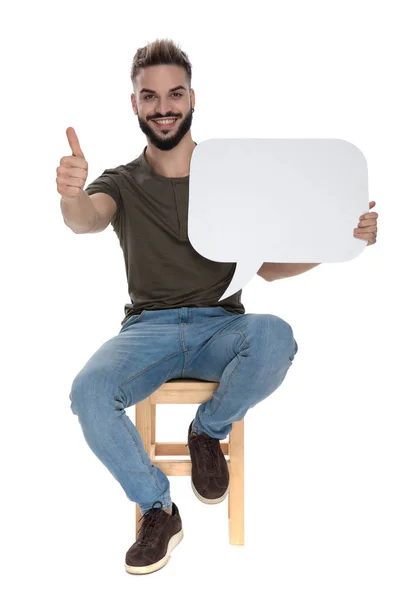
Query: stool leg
(236, 484)
(153, 423)
(137, 517)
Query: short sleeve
(107, 183)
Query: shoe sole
(209, 500)
(173, 542)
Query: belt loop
(184, 314)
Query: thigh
(130, 366)
(265, 339)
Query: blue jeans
(248, 354)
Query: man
(175, 327)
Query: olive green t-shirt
(151, 221)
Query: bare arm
(272, 271)
(88, 214)
(79, 212)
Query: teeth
(165, 121)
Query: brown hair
(160, 52)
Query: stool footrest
(175, 467)
(179, 448)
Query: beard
(170, 138)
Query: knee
(275, 338)
(89, 391)
(294, 352)
(282, 338)
(80, 391)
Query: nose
(163, 107)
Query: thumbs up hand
(73, 170)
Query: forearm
(272, 271)
(79, 212)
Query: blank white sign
(276, 200)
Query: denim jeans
(248, 354)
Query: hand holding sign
(368, 226)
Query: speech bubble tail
(244, 272)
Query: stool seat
(193, 391)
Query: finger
(372, 204)
(367, 223)
(364, 229)
(372, 215)
(74, 142)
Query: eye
(174, 94)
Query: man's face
(163, 101)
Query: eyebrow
(178, 87)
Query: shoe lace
(147, 532)
(208, 452)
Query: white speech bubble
(276, 200)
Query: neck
(171, 163)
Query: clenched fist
(73, 170)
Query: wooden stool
(193, 391)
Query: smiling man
(174, 327)
(165, 117)
(164, 131)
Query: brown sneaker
(210, 472)
(159, 533)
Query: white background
(322, 452)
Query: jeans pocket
(227, 312)
(132, 319)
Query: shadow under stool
(193, 391)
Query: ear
(134, 105)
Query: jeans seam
(140, 454)
(148, 368)
(233, 370)
(226, 385)
(126, 426)
(214, 337)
